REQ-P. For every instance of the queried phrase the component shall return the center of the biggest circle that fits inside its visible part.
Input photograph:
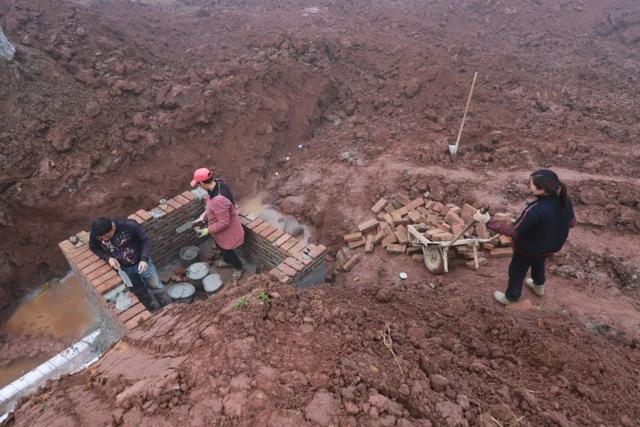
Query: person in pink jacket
(222, 219)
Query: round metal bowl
(182, 293)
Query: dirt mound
(325, 356)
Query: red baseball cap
(200, 175)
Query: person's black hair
(207, 181)
(101, 226)
(547, 180)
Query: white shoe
(538, 290)
(502, 298)
(237, 274)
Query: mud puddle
(58, 310)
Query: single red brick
(174, 204)
(79, 253)
(253, 224)
(294, 263)
(396, 249)
(297, 248)
(415, 203)
(104, 268)
(368, 225)
(414, 215)
(378, 237)
(137, 320)
(93, 266)
(501, 252)
(108, 285)
(390, 239)
(131, 312)
(352, 237)
(144, 214)
(368, 246)
(166, 208)
(85, 262)
(289, 244)
(106, 276)
(261, 227)
(317, 250)
(188, 195)
(380, 204)
(267, 231)
(275, 235)
(279, 275)
(66, 246)
(357, 243)
(282, 239)
(181, 199)
(351, 262)
(136, 218)
(286, 269)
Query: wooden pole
(466, 110)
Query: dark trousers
(231, 257)
(518, 269)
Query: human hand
(202, 232)
(114, 263)
(481, 217)
(202, 217)
(143, 266)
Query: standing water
(57, 314)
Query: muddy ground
(109, 106)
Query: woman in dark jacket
(541, 230)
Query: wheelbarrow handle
(468, 226)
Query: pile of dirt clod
(318, 357)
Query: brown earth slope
(110, 105)
(318, 357)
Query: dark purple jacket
(129, 245)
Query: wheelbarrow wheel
(433, 259)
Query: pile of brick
(437, 221)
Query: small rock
(438, 382)
(464, 402)
(502, 412)
(322, 409)
(452, 413)
(412, 88)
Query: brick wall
(284, 257)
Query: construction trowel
(125, 278)
(187, 225)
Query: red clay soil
(109, 106)
(318, 357)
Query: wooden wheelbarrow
(436, 253)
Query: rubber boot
(161, 296)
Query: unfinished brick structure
(271, 249)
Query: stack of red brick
(438, 222)
(288, 259)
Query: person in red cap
(222, 219)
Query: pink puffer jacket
(224, 224)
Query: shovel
(125, 278)
(453, 148)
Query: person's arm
(221, 207)
(527, 219)
(139, 233)
(96, 248)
